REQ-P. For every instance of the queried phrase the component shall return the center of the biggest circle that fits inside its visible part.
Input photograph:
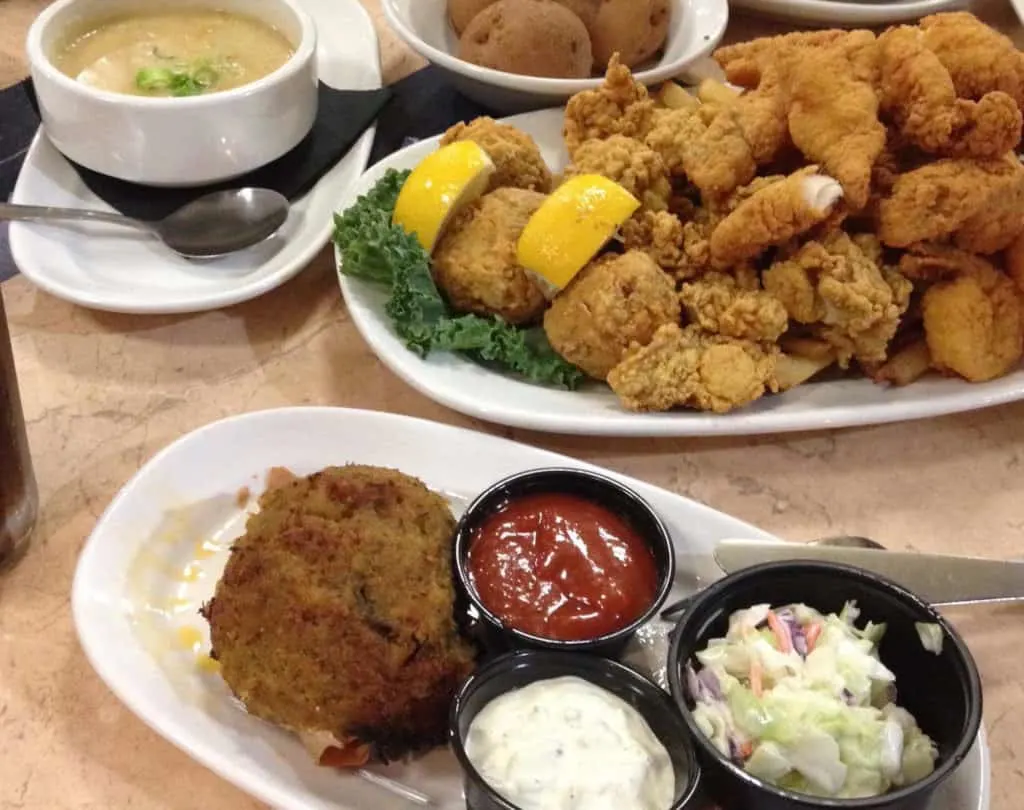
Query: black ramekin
(942, 692)
(518, 669)
(498, 637)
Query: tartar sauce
(565, 743)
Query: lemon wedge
(571, 226)
(441, 185)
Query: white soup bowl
(188, 141)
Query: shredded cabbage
(803, 701)
(931, 636)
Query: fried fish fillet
(833, 119)
(773, 214)
(334, 616)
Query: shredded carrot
(756, 678)
(781, 634)
(812, 635)
(747, 749)
(353, 755)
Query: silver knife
(938, 578)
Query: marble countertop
(103, 392)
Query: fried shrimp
(919, 92)
(973, 323)
(939, 198)
(979, 58)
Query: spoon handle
(19, 212)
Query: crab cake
(516, 156)
(615, 302)
(475, 262)
(335, 614)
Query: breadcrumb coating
(694, 369)
(614, 302)
(637, 168)
(517, 159)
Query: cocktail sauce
(562, 567)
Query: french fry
(712, 91)
(907, 365)
(809, 348)
(676, 97)
(793, 370)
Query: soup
(173, 53)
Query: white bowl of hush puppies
(517, 55)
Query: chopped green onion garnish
(178, 81)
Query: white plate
(471, 389)
(867, 12)
(129, 600)
(696, 28)
(109, 268)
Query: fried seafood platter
(840, 204)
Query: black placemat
(342, 116)
(18, 123)
(424, 104)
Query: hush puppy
(462, 12)
(615, 301)
(475, 263)
(529, 38)
(517, 160)
(334, 617)
(635, 29)
(586, 10)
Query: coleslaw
(802, 700)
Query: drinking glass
(19, 501)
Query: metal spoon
(213, 225)
(843, 541)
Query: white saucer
(114, 269)
(827, 12)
